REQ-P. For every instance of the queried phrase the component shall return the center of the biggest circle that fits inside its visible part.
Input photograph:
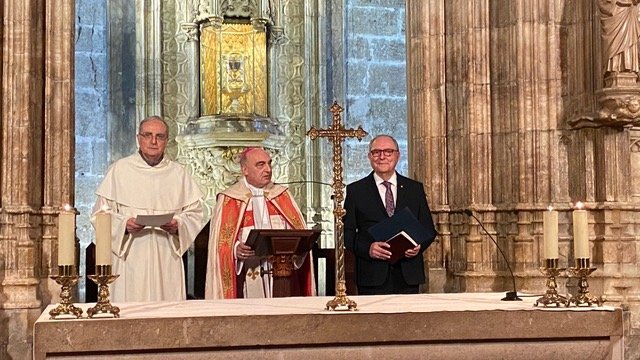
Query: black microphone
(511, 295)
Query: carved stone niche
(232, 77)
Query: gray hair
(154, 117)
(380, 136)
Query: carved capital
(201, 15)
(277, 36)
(192, 30)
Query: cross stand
(337, 134)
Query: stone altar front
(440, 326)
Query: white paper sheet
(154, 220)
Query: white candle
(550, 226)
(580, 233)
(67, 236)
(103, 238)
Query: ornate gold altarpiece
(232, 48)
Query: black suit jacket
(364, 208)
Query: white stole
(257, 286)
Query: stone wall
(92, 109)
(375, 79)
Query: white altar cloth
(380, 304)
(382, 327)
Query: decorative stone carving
(212, 159)
(239, 8)
(201, 15)
(620, 107)
(208, 142)
(264, 13)
(619, 104)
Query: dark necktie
(388, 199)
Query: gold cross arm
(337, 134)
(336, 131)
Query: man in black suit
(373, 199)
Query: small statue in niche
(620, 34)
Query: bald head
(256, 166)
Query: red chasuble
(232, 221)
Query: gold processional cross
(337, 134)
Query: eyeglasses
(149, 136)
(386, 152)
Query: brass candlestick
(103, 278)
(67, 277)
(582, 270)
(551, 270)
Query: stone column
(527, 107)
(495, 142)
(427, 126)
(22, 153)
(148, 59)
(322, 58)
(59, 129)
(289, 70)
(121, 44)
(37, 175)
(469, 142)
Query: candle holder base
(341, 299)
(67, 278)
(582, 270)
(551, 296)
(103, 278)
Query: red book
(400, 243)
(403, 228)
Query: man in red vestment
(254, 202)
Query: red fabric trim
(228, 232)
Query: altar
(434, 326)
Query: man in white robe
(149, 259)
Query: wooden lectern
(279, 246)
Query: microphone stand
(510, 295)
